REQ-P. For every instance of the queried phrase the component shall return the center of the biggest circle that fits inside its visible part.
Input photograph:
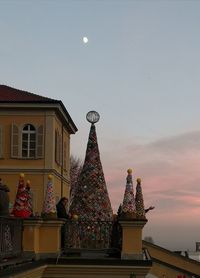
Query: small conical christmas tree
(139, 202)
(119, 211)
(128, 206)
(30, 196)
(21, 207)
(49, 206)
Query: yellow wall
(132, 240)
(6, 121)
(35, 170)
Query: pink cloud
(170, 172)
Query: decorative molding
(60, 109)
(125, 256)
(133, 223)
(34, 171)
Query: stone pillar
(42, 237)
(132, 238)
(31, 236)
(50, 237)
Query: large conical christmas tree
(91, 203)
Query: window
(28, 141)
(58, 148)
(15, 141)
(40, 139)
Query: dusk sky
(141, 71)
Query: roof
(9, 95)
(172, 260)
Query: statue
(4, 199)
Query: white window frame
(29, 149)
(17, 132)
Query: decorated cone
(30, 196)
(21, 206)
(49, 206)
(139, 202)
(91, 202)
(128, 206)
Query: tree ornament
(139, 202)
(49, 206)
(22, 206)
(128, 205)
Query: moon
(85, 40)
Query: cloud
(170, 172)
(177, 144)
(169, 168)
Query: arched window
(28, 141)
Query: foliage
(76, 166)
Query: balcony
(10, 237)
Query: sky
(140, 70)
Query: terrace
(82, 256)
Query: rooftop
(9, 94)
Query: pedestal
(42, 237)
(132, 238)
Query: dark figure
(148, 209)
(62, 208)
(62, 213)
(116, 238)
(4, 199)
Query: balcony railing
(88, 235)
(10, 237)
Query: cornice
(58, 107)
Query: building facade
(34, 139)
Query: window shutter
(65, 156)
(60, 150)
(40, 141)
(56, 147)
(14, 141)
(1, 142)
